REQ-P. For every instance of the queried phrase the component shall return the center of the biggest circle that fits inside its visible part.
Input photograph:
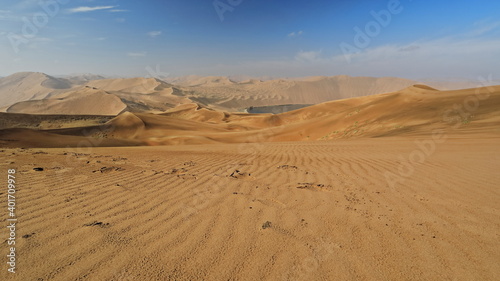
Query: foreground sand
(276, 211)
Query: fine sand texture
(386, 208)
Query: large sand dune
(221, 93)
(104, 97)
(25, 86)
(226, 94)
(416, 110)
(84, 102)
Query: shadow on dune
(414, 111)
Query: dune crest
(84, 102)
(413, 111)
(25, 86)
(216, 92)
(129, 85)
(126, 126)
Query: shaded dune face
(126, 125)
(129, 85)
(86, 102)
(413, 111)
(25, 86)
(38, 93)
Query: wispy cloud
(85, 9)
(120, 20)
(433, 50)
(154, 34)
(41, 39)
(484, 26)
(444, 57)
(310, 56)
(37, 42)
(295, 34)
(409, 48)
(9, 16)
(26, 4)
(137, 54)
(117, 10)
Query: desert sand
(395, 186)
(273, 211)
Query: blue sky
(411, 39)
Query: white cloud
(9, 16)
(434, 50)
(41, 39)
(37, 42)
(409, 48)
(138, 54)
(26, 4)
(295, 34)
(153, 34)
(118, 11)
(482, 27)
(85, 9)
(310, 56)
(446, 57)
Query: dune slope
(415, 111)
(25, 86)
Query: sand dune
(103, 97)
(87, 101)
(25, 86)
(416, 110)
(43, 94)
(234, 96)
(129, 85)
(47, 121)
(195, 80)
(80, 79)
(216, 92)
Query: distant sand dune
(25, 86)
(86, 102)
(216, 92)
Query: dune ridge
(413, 111)
(216, 92)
